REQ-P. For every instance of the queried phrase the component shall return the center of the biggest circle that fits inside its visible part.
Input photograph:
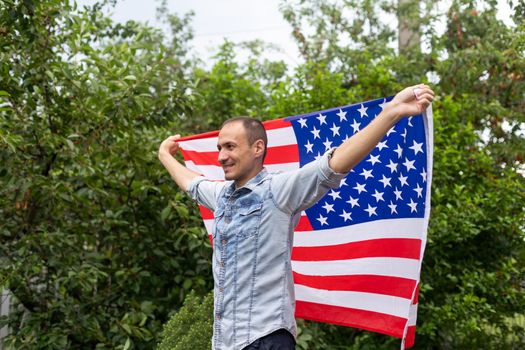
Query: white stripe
(391, 228)
(412, 318)
(385, 304)
(395, 267)
(208, 224)
(276, 137)
(214, 172)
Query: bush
(191, 327)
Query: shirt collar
(254, 181)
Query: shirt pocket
(249, 220)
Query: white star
(355, 125)
(343, 182)
(419, 191)
(409, 164)
(321, 119)
(386, 181)
(392, 166)
(316, 133)
(382, 145)
(367, 174)
(342, 115)
(335, 129)
(412, 205)
(353, 201)
(417, 147)
(327, 144)
(383, 104)
(302, 121)
(404, 134)
(371, 210)
(398, 195)
(318, 156)
(334, 194)
(328, 207)
(378, 196)
(424, 175)
(399, 151)
(390, 131)
(374, 159)
(322, 220)
(392, 207)
(360, 188)
(346, 216)
(346, 138)
(410, 121)
(309, 146)
(403, 180)
(362, 111)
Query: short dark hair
(254, 130)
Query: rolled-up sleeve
(205, 192)
(299, 189)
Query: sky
(238, 20)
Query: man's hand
(412, 100)
(169, 146)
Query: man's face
(238, 158)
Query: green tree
(96, 247)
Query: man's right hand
(169, 146)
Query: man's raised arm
(179, 173)
(410, 101)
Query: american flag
(357, 252)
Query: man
(255, 214)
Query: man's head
(242, 148)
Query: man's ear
(259, 148)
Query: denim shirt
(252, 243)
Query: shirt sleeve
(299, 189)
(205, 192)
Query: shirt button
(221, 289)
(222, 263)
(218, 316)
(223, 242)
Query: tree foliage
(98, 248)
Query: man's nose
(222, 156)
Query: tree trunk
(408, 26)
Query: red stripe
(411, 337)
(275, 155)
(268, 125)
(416, 297)
(384, 247)
(276, 124)
(386, 285)
(205, 213)
(368, 320)
(304, 224)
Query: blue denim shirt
(252, 240)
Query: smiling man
(255, 214)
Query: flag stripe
(394, 286)
(386, 247)
(275, 155)
(276, 137)
(364, 319)
(391, 228)
(385, 304)
(394, 267)
(215, 173)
